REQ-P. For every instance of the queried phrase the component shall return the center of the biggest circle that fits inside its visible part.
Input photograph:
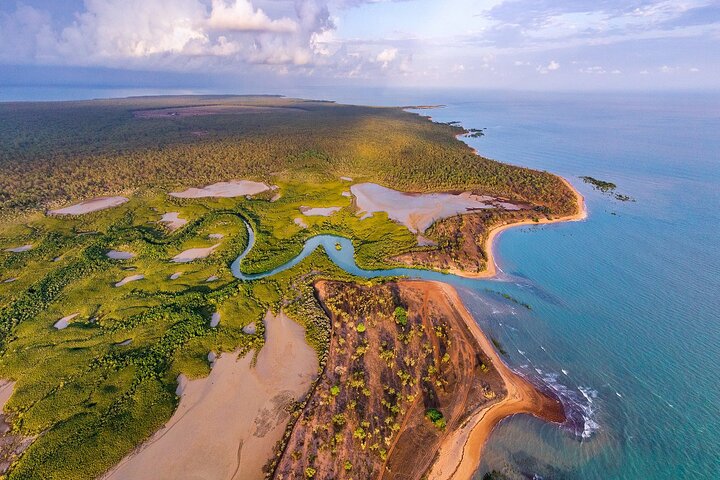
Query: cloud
(242, 16)
(387, 56)
(550, 67)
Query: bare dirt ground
(367, 417)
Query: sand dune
(233, 188)
(228, 423)
(93, 205)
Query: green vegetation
(90, 397)
(498, 345)
(607, 187)
(601, 185)
(401, 316)
(436, 417)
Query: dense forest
(52, 153)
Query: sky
(508, 44)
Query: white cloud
(387, 56)
(242, 16)
(550, 67)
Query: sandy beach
(491, 268)
(460, 454)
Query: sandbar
(228, 423)
(92, 205)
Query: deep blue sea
(625, 306)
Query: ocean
(624, 319)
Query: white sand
(93, 205)
(175, 275)
(212, 278)
(276, 197)
(125, 342)
(10, 280)
(216, 236)
(119, 255)
(228, 423)
(319, 211)
(20, 249)
(347, 179)
(215, 319)
(234, 188)
(173, 221)
(193, 254)
(65, 321)
(416, 211)
(300, 222)
(346, 194)
(131, 278)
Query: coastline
(460, 454)
(491, 267)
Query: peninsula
(174, 273)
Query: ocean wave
(579, 403)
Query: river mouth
(580, 423)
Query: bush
(401, 316)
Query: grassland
(93, 391)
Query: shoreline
(460, 454)
(489, 242)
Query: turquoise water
(624, 323)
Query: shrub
(436, 417)
(401, 316)
(360, 327)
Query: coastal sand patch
(215, 319)
(119, 255)
(131, 278)
(194, 254)
(20, 249)
(319, 211)
(300, 222)
(65, 321)
(417, 211)
(175, 275)
(233, 188)
(173, 221)
(228, 423)
(92, 205)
